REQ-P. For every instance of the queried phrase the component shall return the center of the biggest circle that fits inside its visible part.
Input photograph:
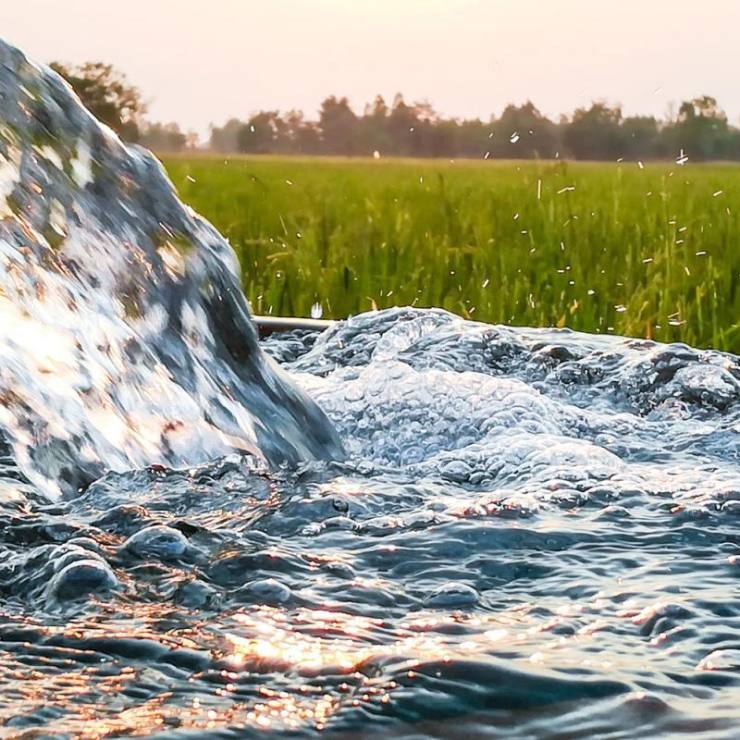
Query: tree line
(698, 129)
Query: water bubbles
(265, 591)
(157, 541)
(317, 310)
(453, 594)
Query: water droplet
(317, 311)
(453, 594)
(514, 138)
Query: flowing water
(511, 533)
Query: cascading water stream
(124, 335)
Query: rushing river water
(511, 533)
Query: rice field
(647, 250)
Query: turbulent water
(513, 532)
(124, 335)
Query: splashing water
(124, 335)
(534, 533)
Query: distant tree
(373, 134)
(263, 133)
(403, 124)
(378, 110)
(701, 130)
(303, 136)
(225, 138)
(523, 132)
(107, 94)
(338, 124)
(445, 139)
(475, 139)
(594, 133)
(641, 138)
(162, 137)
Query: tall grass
(647, 251)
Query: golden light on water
(267, 668)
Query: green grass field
(647, 252)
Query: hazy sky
(203, 61)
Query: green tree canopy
(107, 94)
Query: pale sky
(203, 61)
